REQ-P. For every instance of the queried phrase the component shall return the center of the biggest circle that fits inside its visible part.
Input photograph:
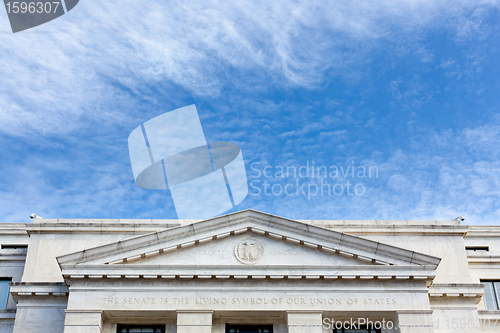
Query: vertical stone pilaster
(83, 321)
(194, 321)
(304, 321)
(415, 322)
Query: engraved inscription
(283, 253)
(340, 302)
(214, 253)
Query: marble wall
(130, 298)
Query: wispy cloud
(51, 81)
(71, 93)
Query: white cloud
(430, 182)
(98, 62)
(55, 75)
(443, 175)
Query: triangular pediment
(247, 239)
(249, 248)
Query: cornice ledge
(20, 290)
(483, 259)
(13, 256)
(249, 220)
(423, 230)
(99, 228)
(473, 290)
(190, 272)
(8, 314)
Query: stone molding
(490, 315)
(480, 258)
(13, 254)
(9, 314)
(98, 228)
(20, 290)
(14, 229)
(454, 290)
(361, 272)
(248, 221)
(483, 231)
(137, 227)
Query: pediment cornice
(241, 272)
(331, 242)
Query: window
(4, 292)
(477, 248)
(14, 247)
(249, 328)
(491, 294)
(359, 330)
(141, 329)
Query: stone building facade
(248, 272)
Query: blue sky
(409, 87)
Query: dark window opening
(141, 329)
(362, 329)
(477, 248)
(14, 246)
(249, 328)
